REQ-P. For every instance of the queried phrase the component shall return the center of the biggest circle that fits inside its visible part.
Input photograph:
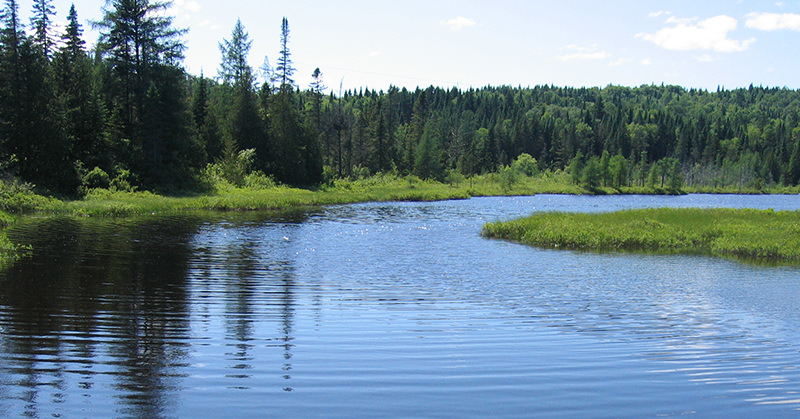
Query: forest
(126, 115)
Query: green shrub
(17, 197)
(526, 165)
(96, 178)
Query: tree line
(126, 114)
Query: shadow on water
(100, 312)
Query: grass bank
(226, 197)
(19, 200)
(753, 235)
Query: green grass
(754, 235)
(9, 251)
(19, 200)
(225, 197)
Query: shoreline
(108, 203)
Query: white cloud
(705, 58)
(189, 5)
(617, 63)
(646, 61)
(583, 53)
(773, 21)
(709, 34)
(658, 13)
(458, 23)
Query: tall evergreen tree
(793, 167)
(43, 25)
(235, 69)
(32, 118)
(142, 52)
(427, 163)
(205, 121)
(243, 127)
(284, 71)
(314, 118)
(11, 71)
(85, 120)
(136, 36)
(297, 156)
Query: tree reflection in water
(254, 261)
(98, 303)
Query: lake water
(388, 310)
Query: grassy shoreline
(20, 202)
(762, 236)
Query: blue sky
(374, 43)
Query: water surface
(388, 309)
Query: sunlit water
(388, 310)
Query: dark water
(388, 309)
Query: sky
(470, 43)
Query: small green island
(761, 236)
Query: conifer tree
(43, 25)
(235, 69)
(85, 120)
(145, 87)
(31, 118)
(427, 163)
(284, 70)
(243, 128)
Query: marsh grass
(9, 251)
(19, 199)
(226, 197)
(753, 235)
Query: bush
(97, 178)
(526, 165)
(17, 197)
(123, 181)
(258, 180)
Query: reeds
(746, 234)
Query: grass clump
(745, 234)
(9, 251)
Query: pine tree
(42, 24)
(136, 37)
(427, 162)
(793, 169)
(145, 88)
(85, 120)
(243, 127)
(284, 71)
(235, 69)
(31, 117)
(205, 122)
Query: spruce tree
(145, 87)
(243, 126)
(43, 25)
(284, 71)
(85, 119)
(427, 162)
(235, 69)
(31, 117)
